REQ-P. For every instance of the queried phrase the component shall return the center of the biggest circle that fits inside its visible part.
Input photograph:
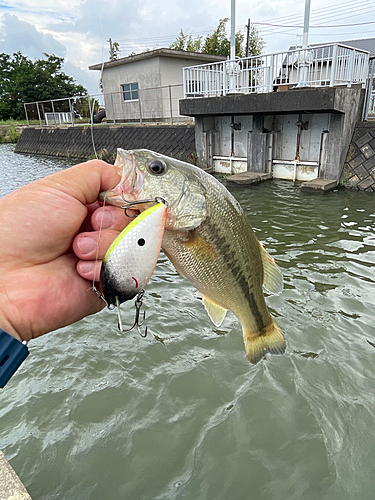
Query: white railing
(55, 118)
(371, 110)
(322, 66)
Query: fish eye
(141, 242)
(156, 167)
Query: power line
(312, 26)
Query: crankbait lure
(132, 257)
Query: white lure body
(132, 257)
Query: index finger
(85, 181)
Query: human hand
(54, 235)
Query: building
(147, 86)
(290, 114)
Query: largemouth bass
(209, 240)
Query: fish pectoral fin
(270, 340)
(215, 312)
(272, 277)
(200, 247)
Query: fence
(156, 104)
(325, 65)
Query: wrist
(12, 354)
(7, 326)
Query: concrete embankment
(359, 168)
(81, 142)
(11, 487)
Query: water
(95, 414)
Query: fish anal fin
(272, 277)
(270, 340)
(215, 312)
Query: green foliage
(256, 42)
(22, 80)
(115, 51)
(9, 134)
(219, 43)
(185, 42)
(82, 108)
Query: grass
(8, 134)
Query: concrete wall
(175, 141)
(147, 74)
(359, 168)
(265, 136)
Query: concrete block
(319, 185)
(361, 141)
(369, 163)
(366, 183)
(11, 487)
(245, 178)
(357, 161)
(361, 172)
(367, 151)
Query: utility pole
(306, 25)
(303, 67)
(233, 30)
(247, 38)
(110, 49)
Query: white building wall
(147, 74)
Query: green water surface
(96, 414)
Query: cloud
(24, 37)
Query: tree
(22, 81)
(114, 50)
(218, 43)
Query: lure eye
(141, 242)
(156, 167)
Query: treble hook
(138, 304)
(130, 204)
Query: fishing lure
(131, 259)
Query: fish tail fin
(270, 340)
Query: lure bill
(131, 259)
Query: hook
(130, 204)
(137, 323)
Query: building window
(130, 91)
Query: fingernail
(86, 266)
(104, 219)
(86, 245)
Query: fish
(209, 240)
(131, 258)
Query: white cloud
(78, 30)
(24, 37)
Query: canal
(97, 414)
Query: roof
(367, 44)
(197, 57)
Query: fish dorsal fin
(215, 312)
(272, 277)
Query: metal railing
(322, 66)
(156, 104)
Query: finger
(87, 223)
(89, 269)
(110, 217)
(93, 245)
(84, 181)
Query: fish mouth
(130, 185)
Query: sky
(79, 30)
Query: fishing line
(98, 293)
